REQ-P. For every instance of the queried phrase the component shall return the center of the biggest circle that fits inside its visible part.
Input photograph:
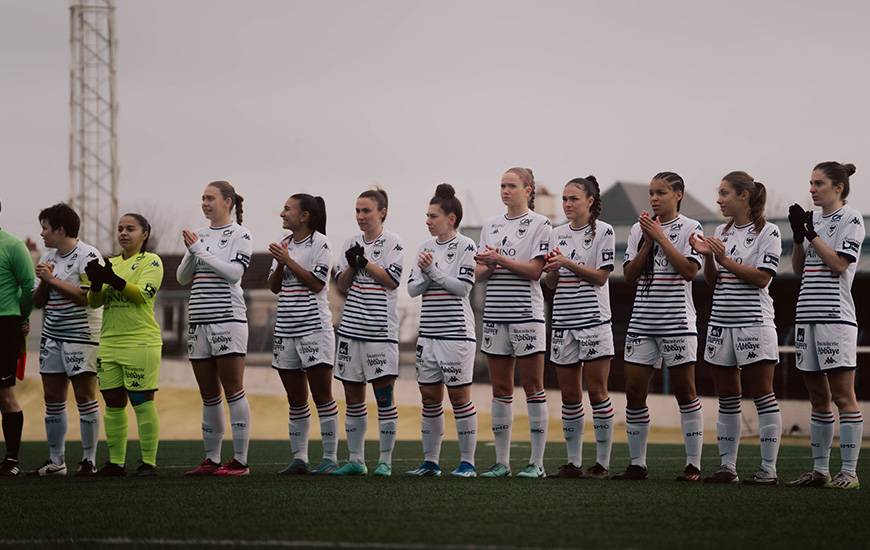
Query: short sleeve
(851, 238)
(393, 260)
(243, 249)
(769, 250)
(606, 246)
(541, 240)
(688, 250)
(321, 261)
(632, 244)
(151, 277)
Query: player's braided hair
(676, 183)
(589, 185)
(229, 192)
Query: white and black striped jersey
(63, 320)
(826, 297)
(445, 315)
(300, 311)
(663, 304)
(212, 298)
(509, 297)
(577, 303)
(370, 310)
(737, 303)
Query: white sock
(466, 429)
(299, 426)
(55, 431)
(539, 417)
(355, 420)
(728, 431)
(502, 423)
(432, 431)
(769, 431)
(213, 423)
(602, 422)
(572, 426)
(851, 432)
(637, 430)
(388, 420)
(821, 439)
(240, 422)
(89, 422)
(327, 414)
(692, 422)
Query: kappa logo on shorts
(751, 355)
(529, 347)
(678, 357)
(224, 347)
(312, 358)
(591, 352)
(830, 361)
(453, 379)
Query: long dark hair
(229, 192)
(742, 182)
(316, 208)
(589, 185)
(676, 183)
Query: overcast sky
(330, 97)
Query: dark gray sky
(330, 97)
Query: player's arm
(834, 260)
(634, 267)
(595, 276)
(149, 282)
(381, 275)
(798, 257)
(454, 285)
(276, 278)
(186, 269)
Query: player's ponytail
(227, 191)
(316, 208)
(742, 182)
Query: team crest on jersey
(750, 238)
(587, 240)
(135, 266)
(673, 236)
(223, 243)
(523, 228)
(69, 267)
(831, 230)
(376, 253)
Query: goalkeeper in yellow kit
(129, 357)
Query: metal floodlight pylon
(93, 138)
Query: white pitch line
(120, 541)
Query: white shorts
(69, 358)
(364, 361)
(571, 347)
(740, 346)
(514, 339)
(449, 362)
(674, 351)
(216, 340)
(315, 349)
(822, 347)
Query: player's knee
(532, 387)
(384, 396)
(8, 403)
(846, 402)
(140, 397)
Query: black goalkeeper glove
(353, 254)
(809, 230)
(796, 218)
(94, 271)
(112, 279)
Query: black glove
(94, 271)
(796, 218)
(809, 230)
(352, 253)
(112, 279)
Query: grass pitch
(268, 511)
